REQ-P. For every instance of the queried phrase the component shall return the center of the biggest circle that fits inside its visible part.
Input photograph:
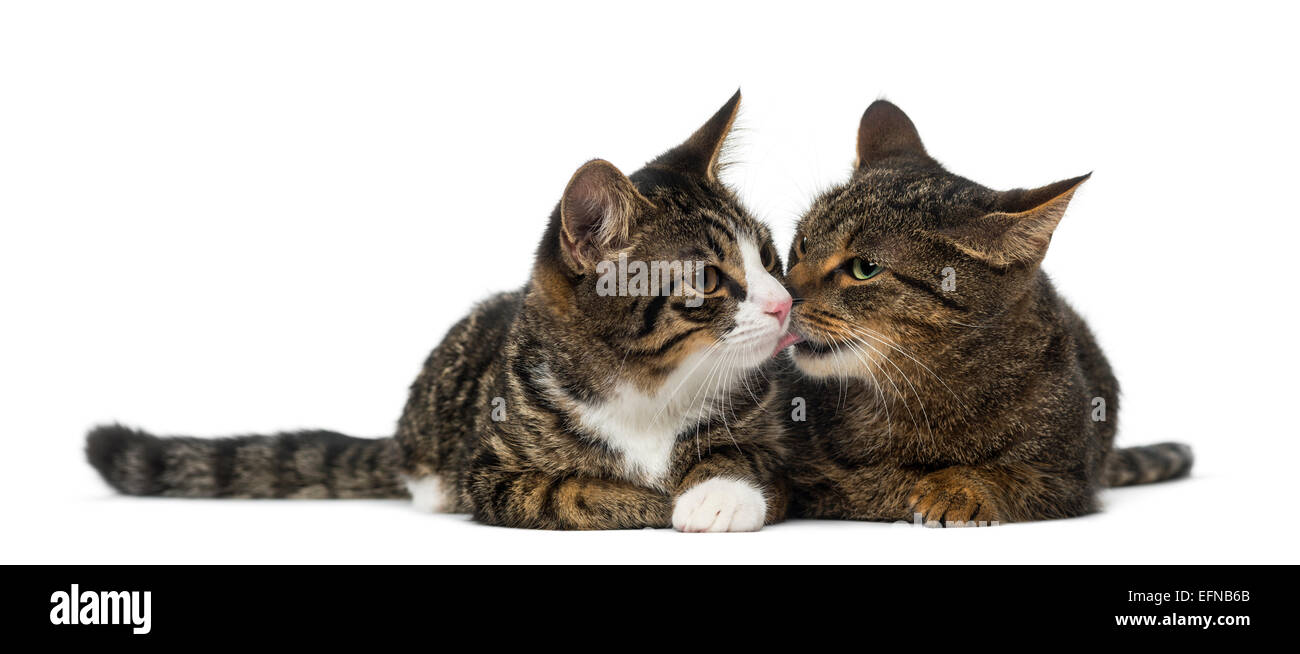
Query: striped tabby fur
(304, 464)
(1145, 464)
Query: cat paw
(720, 505)
(429, 494)
(953, 498)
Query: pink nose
(779, 309)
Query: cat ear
(886, 131)
(701, 152)
(1021, 227)
(597, 212)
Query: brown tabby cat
(943, 377)
(561, 405)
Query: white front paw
(720, 505)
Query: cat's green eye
(863, 270)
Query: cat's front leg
(1002, 491)
(720, 494)
(538, 500)
(960, 496)
(720, 504)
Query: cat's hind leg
(430, 494)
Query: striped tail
(1146, 464)
(305, 464)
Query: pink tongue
(786, 341)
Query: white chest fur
(645, 444)
(643, 428)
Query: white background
(234, 217)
